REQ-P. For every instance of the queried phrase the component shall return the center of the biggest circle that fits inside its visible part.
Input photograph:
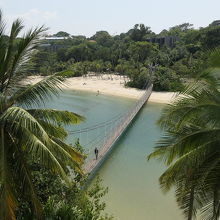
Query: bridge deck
(92, 165)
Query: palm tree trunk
(215, 203)
(191, 203)
(2, 159)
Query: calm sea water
(134, 192)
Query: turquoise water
(95, 109)
(134, 192)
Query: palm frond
(56, 116)
(186, 199)
(197, 105)
(15, 60)
(25, 49)
(2, 24)
(67, 157)
(38, 93)
(7, 196)
(9, 56)
(53, 130)
(35, 139)
(214, 58)
(192, 161)
(16, 118)
(75, 154)
(24, 175)
(39, 151)
(190, 146)
(3, 45)
(33, 134)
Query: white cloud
(35, 15)
(33, 18)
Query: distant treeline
(170, 58)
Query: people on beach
(96, 153)
(97, 92)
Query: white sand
(107, 86)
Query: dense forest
(41, 176)
(170, 59)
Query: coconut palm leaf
(73, 159)
(38, 93)
(56, 116)
(16, 118)
(24, 174)
(190, 148)
(75, 155)
(214, 58)
(16, 61)
(34, 135)
(173, 148)
(8, 203)
(20, 58)
(35, 138)
(53, 130)
(39, 151)
(8, 59)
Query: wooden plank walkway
(92, 165)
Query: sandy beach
(108, 85)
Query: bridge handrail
(119, 129)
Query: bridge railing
(116, 131)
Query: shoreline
(107, 85)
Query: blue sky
(85, 17)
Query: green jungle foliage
(190, 144)
(132, 54)
(41, 176)
(61, 201)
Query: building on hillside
(53, 43)
(215, 23)
(168, 41)
(55, 38)
(92, 41)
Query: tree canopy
(180, 50)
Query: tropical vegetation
(37, 166)
(139, 53)
(190, 145)
(41, 175)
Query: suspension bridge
(107, 133)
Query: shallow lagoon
(134, 192)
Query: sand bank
(108, 85)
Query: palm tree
(28, 133)
(191, 147)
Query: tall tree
(62, 34)
(190, 146)
(28, 133)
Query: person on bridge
(96, 153)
